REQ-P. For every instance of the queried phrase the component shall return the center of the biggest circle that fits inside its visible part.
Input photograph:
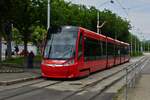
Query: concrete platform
(13, 78)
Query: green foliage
(135, 54)
(38, 35)
(115, 26)
(79, 15)
(146, 45)
(30, 19)
(21, 60)
(17, 36)
(18, 61)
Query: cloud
(141, 20)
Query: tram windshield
(61, 43)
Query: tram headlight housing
(68, 63)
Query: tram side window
(103, 49)
(93, 49)
(89, 52)
(123, 52)
(126, 50)
(117, 50)
(110, 49)
(80, 47)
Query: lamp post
(131, 43)
(143, 44)
(135, 46)
(98, 23)
(141, 47)
(148, 47)
(48, 14)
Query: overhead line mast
(48, 14)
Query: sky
(135, 11)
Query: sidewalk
(6, 69)
(142, 88)
(13, 78)
(12, 73)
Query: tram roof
(103, 36)
(94, 34)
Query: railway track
(100, 84)
(24, 90)
(22, 85)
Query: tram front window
(61, 45)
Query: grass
(120, 94)
(21, 60)
(136, 54)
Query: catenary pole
(48, 14)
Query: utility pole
(141, 47)
(138, 47)
(148, 47)
(135, 46)
(131, 44)
(48, 14)
(98, 23)
(144, 46)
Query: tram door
(83, 70)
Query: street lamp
(135, 45)
(98, 26)
(148, 47)
(48, 14)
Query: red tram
(72, 52)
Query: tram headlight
(68, 63)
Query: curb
(6, 83)
(11, 71)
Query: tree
(1, 22)
(5, 16)
(16, 36)
(38, 36)
(29, 16)
(24, 19)
(0, 47)
(0, 42)
(66, 13)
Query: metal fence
(132, 75)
